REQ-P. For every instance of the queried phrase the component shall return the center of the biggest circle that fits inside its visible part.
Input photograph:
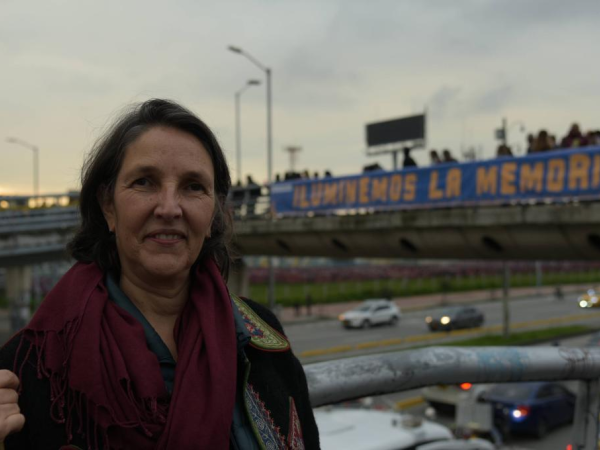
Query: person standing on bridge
(408, 159)
(140, 345)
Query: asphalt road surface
(318, 341)
(327, 339)
(556, 439)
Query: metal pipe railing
(346, 379)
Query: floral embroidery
(263, 336)
(261, 417)
(295, 440)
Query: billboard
(397, 130)
(550, 176)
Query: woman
(140, 345)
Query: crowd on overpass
(545, 141)
(536, 143)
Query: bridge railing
(35, 220)
(549, 177)
(249, 203)
(32, 202)
(350, 378)
(553, 177)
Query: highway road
(532, 312)
(327, 339)
(556, 439)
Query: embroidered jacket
(275, 393)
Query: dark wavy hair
(93, 242)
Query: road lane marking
(327, 351)
(409, 402)
(453, 333)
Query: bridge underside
(55, 252)
(569, 231)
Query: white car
(371, 312)
(367, 429)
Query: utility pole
(268, 74)
(395, 158)
(502, 132)
(36, 162)
(238, 127)
(505, 307)
(293, 150)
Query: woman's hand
(11, 419)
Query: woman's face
(163, 205)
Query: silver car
(371, 312)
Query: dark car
(455, 317)
(531, 407)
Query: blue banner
(550, 176)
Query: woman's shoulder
(265, 329)
(263, 312)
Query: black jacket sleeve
(8, 353)
(310, 432)
(40, 431)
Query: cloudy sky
(69, 66)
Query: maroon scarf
(100, 368)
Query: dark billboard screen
(397, 130)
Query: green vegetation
(524, 337)
(531, 337)
(289, 294)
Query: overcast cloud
(69, 66)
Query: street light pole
(36, 170)
(36, 162)
(269, 130)
(238, 132)
(238, 126)
(268, 73)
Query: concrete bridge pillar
(18, 290)
(239, 279)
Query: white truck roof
(368, 429)
(364, 429)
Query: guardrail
(36, 220)
(350, 378)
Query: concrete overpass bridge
(568, 231)
(35, 235)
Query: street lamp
(267, 71)
(269, 107)
(238, 133)
(36, 166)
